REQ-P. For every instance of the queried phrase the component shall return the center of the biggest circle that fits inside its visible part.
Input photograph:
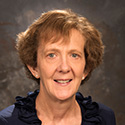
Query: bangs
(56, 27)
(52, 36)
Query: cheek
(46, 71)
(80, 72)
(79, 69)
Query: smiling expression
(60, 66)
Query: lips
(62, 81)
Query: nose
(64, 66)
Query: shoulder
(6, 113)
(94, 112)
(107, 114)
(9, 116)
(22, 112)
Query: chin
(64, 96)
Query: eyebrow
(74, 50)
(57, 50)
(54, 49)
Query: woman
(59, 51)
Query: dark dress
(23, 112)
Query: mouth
(63, 82)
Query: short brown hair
(57, 23)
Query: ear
(85, 74)
(34, 71)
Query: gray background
(107, 82)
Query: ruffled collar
(89, 109)
(26, 106)
(27, 111)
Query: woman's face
(60, 66)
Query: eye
(51, 55)
(75, 55)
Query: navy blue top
(23, 112)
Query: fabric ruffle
(26, 106)
(91, 109)
(27, 111)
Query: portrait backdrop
(107, 82)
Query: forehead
(75, 38)
(51, 37)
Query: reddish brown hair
(56, 24)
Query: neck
(56, 110)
